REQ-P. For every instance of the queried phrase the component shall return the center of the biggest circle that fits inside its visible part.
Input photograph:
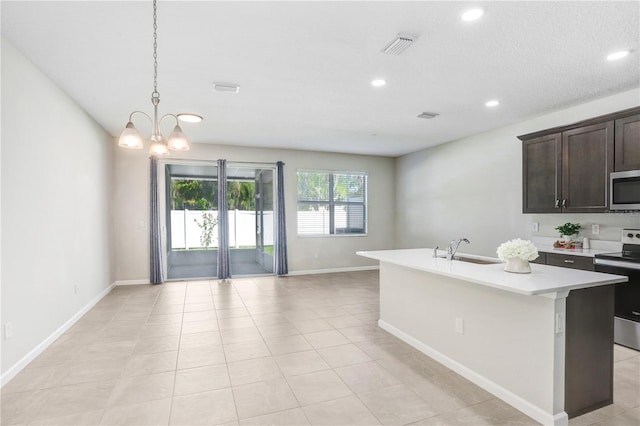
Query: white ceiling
(305, 67)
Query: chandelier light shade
(130, 137)
(177, 140)
(158, 148)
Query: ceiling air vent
(400, 44)
(226, 87)
(428, 115)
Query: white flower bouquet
(521, 249)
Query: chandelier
(130, 137)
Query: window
(332, 203)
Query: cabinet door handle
(569, 261)
(564, 203)
(557, 204)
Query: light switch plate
(459, 326)
(8, 331)
(595, 229)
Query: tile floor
(286, 351)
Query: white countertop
(572, 252)
(543, 279)
(545, 244)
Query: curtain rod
(164, 160)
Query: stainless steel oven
(624, 190)
(627, 295)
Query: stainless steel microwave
(624, 190)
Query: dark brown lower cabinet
(541, 259)
(567, 260)
(588, 371)
(570, 261)
(588, 350)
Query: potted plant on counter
(568, 231)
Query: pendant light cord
(155, 93)
(130, 137)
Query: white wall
(131, 199)
(56, 168)
(472, 187)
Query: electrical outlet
(595, 229)
(535, 226)
(559, 323)
(76, 289)
(8, 331)
(459, 326)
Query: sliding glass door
(191, 219)
(264, 213)
(251, 220)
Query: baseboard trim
(20, 365)
(334, 270)
(132, 282)
(291, 273)
(531, 410)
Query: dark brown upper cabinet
(541, 163)
(566, 169)
(627, 144)
(587, 160)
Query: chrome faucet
(453, 247)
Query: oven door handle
(616, 263)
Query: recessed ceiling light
(378, 82)
(617, 55)
(189, 118)
(472, 14)
(492, 103)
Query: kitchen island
(542, 342)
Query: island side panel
(509, 344)
(589, 349)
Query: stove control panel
(631, 236)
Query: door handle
(564, 203)
(557, 204)
(569, 261)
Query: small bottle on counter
(585, 243)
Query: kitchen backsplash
(610, 224)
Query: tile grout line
(175, 370)
(231, 387)
(136, 299)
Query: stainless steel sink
(476, 260)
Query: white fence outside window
(185, 232)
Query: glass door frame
(260, 255)
(162, 200)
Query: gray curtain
(155, 260)
(281, 230)
(224, 270)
